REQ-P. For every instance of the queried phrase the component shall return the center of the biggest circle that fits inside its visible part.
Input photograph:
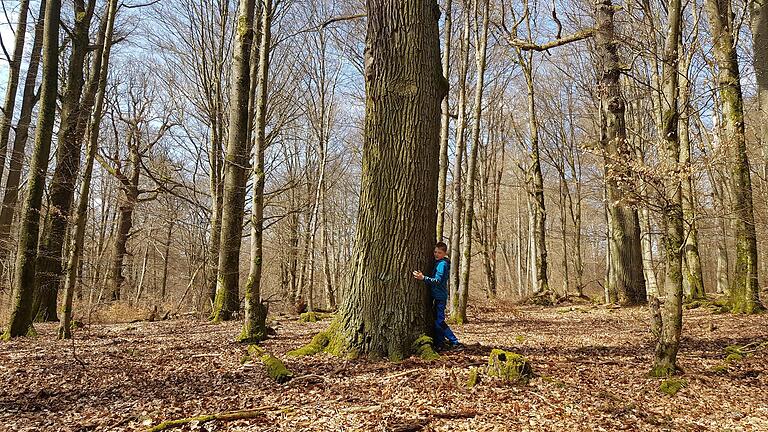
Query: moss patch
(474, 378)
(509, 366)
(672, 385)
(422, 347)
(274, 367)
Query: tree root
(274, 367)
(224, 416)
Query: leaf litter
(590, 363)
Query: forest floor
(591, 364)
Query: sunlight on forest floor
(591, 365)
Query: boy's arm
(439, 275)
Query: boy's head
(441, 250)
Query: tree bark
(626, 263)
(461, 124)
(236, 169)
(758, 24)
(385, 310)
(669, 312)
(744, 292)
(445, 123)
(29, 99)
(74, 118)
(692, 260)
(254, 327)
(20, 320)
(14, 71)
(481, 43)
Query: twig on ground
(224, 416)
(400, 374)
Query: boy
(438, 284)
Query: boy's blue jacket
(438, 283)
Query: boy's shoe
(458, 346)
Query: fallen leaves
(591, 365)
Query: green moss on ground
(474, 378)
(274, 367)
(423, 348)
(672, 385)
(509, 366)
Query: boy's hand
(418, 275)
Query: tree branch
(530, 46)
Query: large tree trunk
(28, 102)
(445, 124)
(626, 263)
(14, 71)
(236, 169)
(744, 292)
(461, 124)
(668, 312)
(254, 327)
(20, 320)
(74, 117)
(385, 310)
(460, 315)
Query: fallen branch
(225, 416)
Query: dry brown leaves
(591, 362)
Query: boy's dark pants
(442, 331)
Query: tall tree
(20, 320)
(236, 169)
(668, 316)
(481, 44)
(97, 86)
(694, 279)
(385, 310)
(445, 122)
(626, 261)
(254, 329)
(461, 143)
(74, 117)
(14, 71)
(744, 292)
(28, 101)
(758, 24)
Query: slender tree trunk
(626, 269)
(667, 312)
(29, 99)
(74, 118)
(143, 271)
(461, 124)
(563, 233)
(20, 320)
(14, 71)
(254, 327)
(166, 260)
(101, 64)
(539, 228)
(481, 42)
(692, 260)
(744, 292)
(235, 166)
(758, 24)
(385, 310)
(445, 124)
